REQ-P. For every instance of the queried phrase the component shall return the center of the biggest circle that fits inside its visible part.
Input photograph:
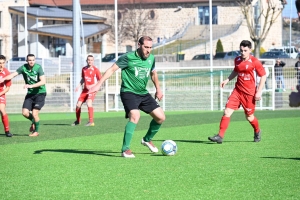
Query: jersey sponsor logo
(149, 61)
(246, 66)
(141, 72)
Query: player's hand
(159, 95)
(93, 88)
(77, 88)
(224, 83)
(257, 96)
(27, 86)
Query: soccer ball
(169, 148)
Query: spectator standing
(278, 67)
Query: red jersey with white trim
(89, 74)
(246, 75)
(6, 83)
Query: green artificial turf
(80, 162)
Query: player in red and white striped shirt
(88, 74)
(245, 92)
(4, 87)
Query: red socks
(78, 111)
(223, 125)
(255, 125)
(5, 123)
(91, 114)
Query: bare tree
(260, 16)
(133, 22)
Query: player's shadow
(286, 158)
(57, 124)
(77, 151)
(14, 134)
(200, 141)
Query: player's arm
(230, 77)
(79, 85)
(38, 84)
(9, 77)
(107, 74)
(154, 77)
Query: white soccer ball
(169, 148)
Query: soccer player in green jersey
(136, 68)
(35, 80)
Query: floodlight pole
(211, 53)
(25, 27)
(76, 49)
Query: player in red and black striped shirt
(245, 92)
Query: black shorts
(143, 102)
(34, 101)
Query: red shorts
(3, 99)
(237, 99)
(85, 96)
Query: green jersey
(32, 76)
(135, 72)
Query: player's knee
(250, 118)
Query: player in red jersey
(4, 87)
(245, 92)
(89, 73)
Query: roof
(111, 2)
(49, 13)
(66, 30)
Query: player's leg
(277, 81)
(5, 120)
(248, 103)
(26, 108)
(151, 107)
(89, 103)
(38, 103)
(233, 103)
(130, 102)
(78, 112)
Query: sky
(287, 9)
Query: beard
(142, 55)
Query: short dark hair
(30, 55)
(2, 57)
(91, 56)
(143, 38)
(263, 62)
(246, 43)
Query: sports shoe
(127, 154)
(32, 127)
(8, 134)
(150, 145)
(75, 123)
(216, 138)
(34, 134)
(257, 136)
(90, 124)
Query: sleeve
(82, 74)
(259, 68)
(7, 83)
(41, 71)
(122, 62)
(153, 65)
(20, 70)
(98, 74)
(235, 65)
(282, 64)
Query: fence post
(164, 90)
(59, 65)
(71, 92)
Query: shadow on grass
(282, 158)
(89, 152)
(14, 134)
(57, 124)
(200, 141)
(76, 151)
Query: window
(204, 14)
